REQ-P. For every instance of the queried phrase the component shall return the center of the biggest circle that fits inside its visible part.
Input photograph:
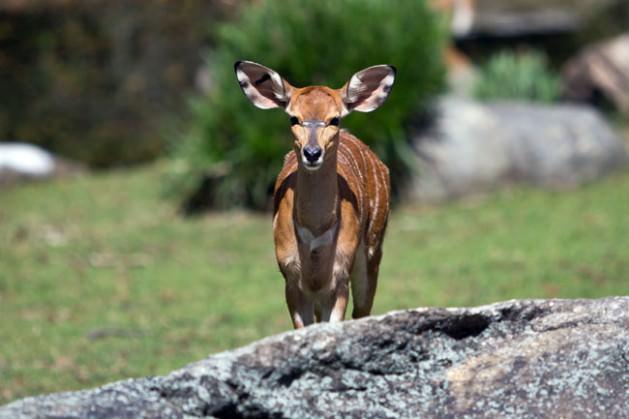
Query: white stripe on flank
(376, 205)
(357, 171)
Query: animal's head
(315, 111)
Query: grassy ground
(101, 280)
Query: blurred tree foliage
(518, 75)
(236, 150)
(93, 80)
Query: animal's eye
(294, 120)
(334, 121)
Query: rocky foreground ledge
(538, 358)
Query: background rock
(517, 17)
(600, 72)
(554, 358)
(476, 147)
(20, 161)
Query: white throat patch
(309, 240)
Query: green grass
(100, 279)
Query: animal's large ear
(264, 87)
(368, 88)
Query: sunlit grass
(100, 279)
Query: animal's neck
(317, 197)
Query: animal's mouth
(310, 163)
(312, 166)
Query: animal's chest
(317, 255)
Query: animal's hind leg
(365, 284)
(364, 280)
(317, 312)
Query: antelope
(331, 197)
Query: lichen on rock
(521, 358)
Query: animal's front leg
(301, 308)
(334, 306)
(340, 303)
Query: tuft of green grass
(518, 75)
(101, 280)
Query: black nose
(312, 153)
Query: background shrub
(240, 148)
(512, 75)
(95, 80)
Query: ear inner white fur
(369, 88)
(264, 87)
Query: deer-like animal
(331, 199)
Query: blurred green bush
(517, 75)
(236, 150)
(95, 80)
